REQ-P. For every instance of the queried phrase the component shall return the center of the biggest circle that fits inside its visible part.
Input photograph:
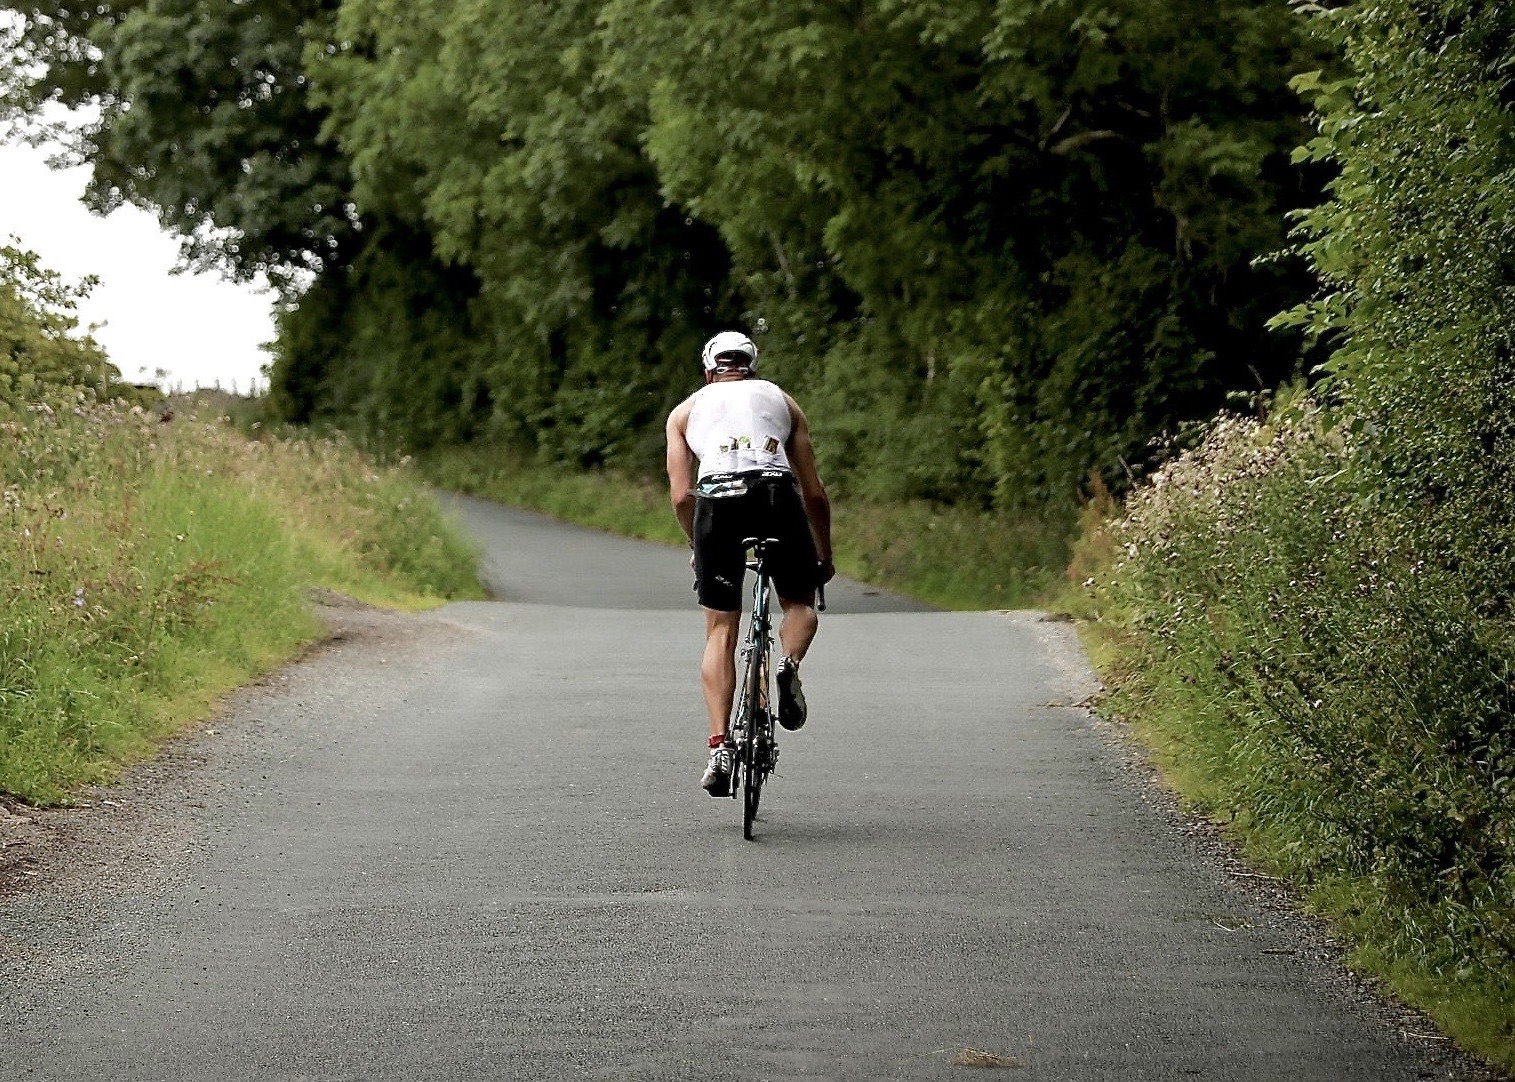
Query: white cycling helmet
(728, 347)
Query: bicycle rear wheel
(755, 764)
(752, 794)
(754, 769)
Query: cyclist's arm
(801, 454)
(681, 470)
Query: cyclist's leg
(718, 667)
(794, 574)
(795, 634)
(798, 627)
(719, 565)
(794, 580)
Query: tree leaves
(1415, 248)
(1032, 226)
(42, 351)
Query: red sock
(717, 741)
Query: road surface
(471, 845)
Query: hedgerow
(1318, 682)
(1317, 613)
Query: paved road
(533, 559)
(471, 845)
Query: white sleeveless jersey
(739, 425)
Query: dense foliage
(1418, 249)
(41, 347)
(1324, 603)
(993, 246)
(150, 561)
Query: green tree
(42, 351)
(1417, 252)
(993, 245)
(200, 111)
(197, 111)
(1030, 227)
(384, 348)
(486, 124)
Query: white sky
(201, 330)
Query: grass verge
(1408, 945)
(1310, 673)
(147, 568)
(949, 557)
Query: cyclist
(740, 464)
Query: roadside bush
(1316, 614)
(42, 349)
(1311, 675)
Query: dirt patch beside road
(25, 841)
(125, 831)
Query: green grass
(951, 557)
(1403, 943)
(945, 556)
(1307, 676)
(615, 503)
(147, 568)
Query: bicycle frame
(754, 747)
(752, 735)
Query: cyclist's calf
(797, 630)
(718, 666)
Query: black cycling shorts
(770, 507)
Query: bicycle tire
(756, 751)
(752, 794)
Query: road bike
(752, 736)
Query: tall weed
(147, 567)
(1314, 675)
